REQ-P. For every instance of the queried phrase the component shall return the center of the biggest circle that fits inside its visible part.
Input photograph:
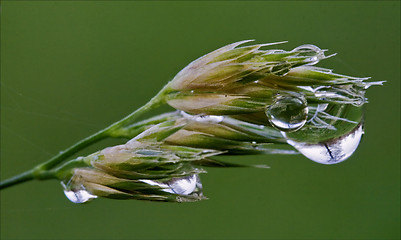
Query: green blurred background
(71, 68)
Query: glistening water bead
(287, 113)
(77, 195)
(182, 186)
(332, 151)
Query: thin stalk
(132, 130)
(38, 171)
(20, 178)
(43, 174)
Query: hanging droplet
(287, 112)
(77, 196)
(332, 151)
(182, 186)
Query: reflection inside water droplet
(182, 186)
(77, 196)
(332, 151)
(287, 112)
(203, 118)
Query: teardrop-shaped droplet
(332, 151)
(184, 186)
(287, 113)
(77, 196)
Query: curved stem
(110, 131)
(70, 151)
(132, 130)
(20, 178)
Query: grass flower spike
(144, 168)
(238, 99)
(282, 89)
(222, 133)
(238, 80)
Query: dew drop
(77, 196)
(316, 54)
(182, 186)
(287, 113)
(332, 151)
(203, 118)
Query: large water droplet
(332, 151)
(77, 195)
(287, 112)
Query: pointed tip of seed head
(377, 83)
(332, 55)
(270, 44)
(261, 166)
(236, 44)
(274, 43)
(259, 45)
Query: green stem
(110, 131)
(131, 131)
(43, 174)
(23, 177)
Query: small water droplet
(78, 195)
(311, 50)
(203, 118)
(182, 186)
(287, 112)
(332, 151)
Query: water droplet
(203, 118)
(332, 151)
(315, 53)
(288, 112)
(77, 195)
(182, 186)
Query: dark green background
(71, 68)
